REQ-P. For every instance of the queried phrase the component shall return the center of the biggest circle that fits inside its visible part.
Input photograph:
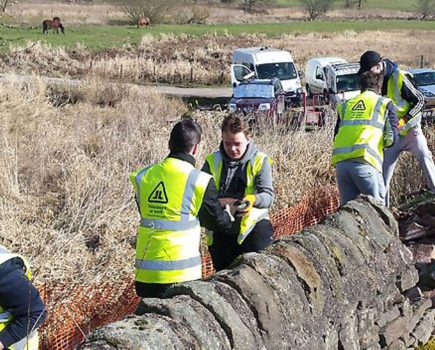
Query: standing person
(174, 199)
(21, 308)
(366, 125)
(241, 172)
(398, 86)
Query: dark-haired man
(241, 172)
(21, 308)
(174, 200)
(397, 85)
(366, 125)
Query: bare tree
(3, 6)
(254, 5)
(348, 4)
(315, 8)
(155, 10)
(425, 8)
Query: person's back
(409, 102)
(174, 199)
(21, 308)
(363, 130)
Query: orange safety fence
(75, 310)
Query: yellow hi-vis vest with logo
(169, 196)
(361, 132)
(253, 168)
(31, 342)
(394, 88)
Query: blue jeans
(355, 178)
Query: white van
(267, 63)
(332, 77)
(315, 74)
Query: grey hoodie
(233, 178)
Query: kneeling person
(366, 125)
(241, 172)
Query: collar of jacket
(183, 156)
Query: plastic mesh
(75, 310)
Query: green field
(100, 37)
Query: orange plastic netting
(75, 310)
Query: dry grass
(191, 60)
(65, 198)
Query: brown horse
(52, 24)
(143, 21)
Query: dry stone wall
(338, 285)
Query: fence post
(421, 61)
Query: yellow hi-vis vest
(31, 342)
(169, 195)
(394, 88)
(361, 132)
(215, 162)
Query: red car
(258, 96)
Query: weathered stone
(201, 322)
(143, 333)
(389, 316)
(368, 332)
(424, 329)
(239, 335)
(395, 330)
(419, 309)
(263, 300)
(348, 334)
(397, 345)
(292, 301)
(304, 268)
(408, 279)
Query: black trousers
(152, 290)
(225, 248)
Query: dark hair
(234, 124)
(371, 80)
(184, 135)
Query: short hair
(372, 80)
(235, 124)
(184, 135)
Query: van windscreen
(282, 71)
(348, 82)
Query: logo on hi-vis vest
(158, 195)
(360, 106)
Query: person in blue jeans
(366, 125)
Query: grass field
(100, 37)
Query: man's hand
(226, 200)
(250, 199)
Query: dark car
(258, 96)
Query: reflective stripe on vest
(215, 162)
(31, 342)
(361, 130)
(167, 248)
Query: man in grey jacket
(243, 177)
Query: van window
(240, 72)
(283, 71)
(319, 74)
(348, 82)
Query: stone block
(262, 299)
(368, 332)
(389, 316)
(397, 345)
(424, 329)
(408, 279)
(239, 335)
(200, 321)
